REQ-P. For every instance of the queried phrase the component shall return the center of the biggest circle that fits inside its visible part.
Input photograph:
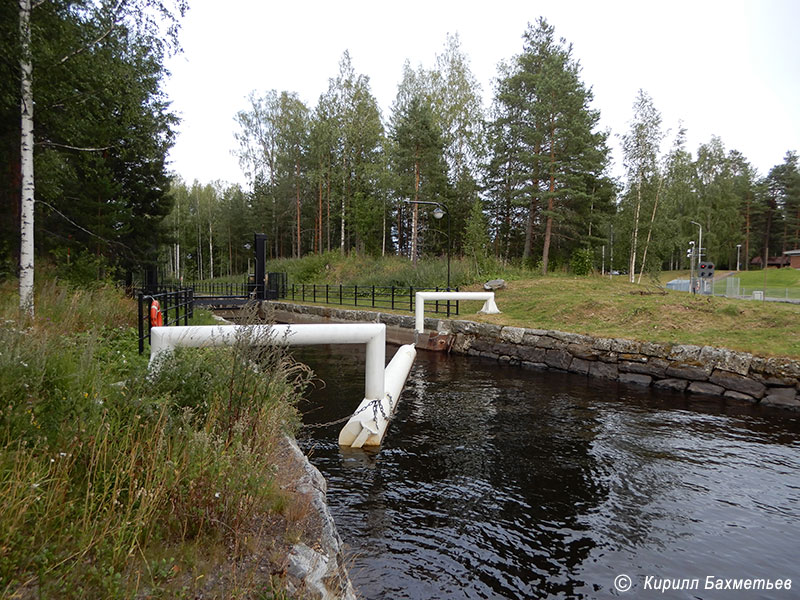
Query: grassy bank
(615, 308)
(114, 484)
(600, 306)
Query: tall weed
(103, 465)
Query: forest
(522, 176)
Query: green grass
(775, 278)
(615, 308)
(602, 306)
(119, 484)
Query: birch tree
(640, 147)
(26, 162)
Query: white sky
(729, 68)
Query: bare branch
(105, 34)
(68, 147)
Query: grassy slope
(615, 308)
(116, 484)
(593, 305)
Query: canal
(499, 482)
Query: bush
(580, 262)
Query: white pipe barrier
(489, 306)
(368, 424)
(376, 382)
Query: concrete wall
(693, 369)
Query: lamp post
(738, 248)
(439, 212)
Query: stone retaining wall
(694, 369)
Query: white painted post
(489, 306)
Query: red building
(794, 258)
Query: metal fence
(175, 305)
(731, 287)
(369, 296)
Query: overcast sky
(729, 68)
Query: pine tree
(546, 111)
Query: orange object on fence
(156, 318)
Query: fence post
(327, 287)
(355, 295)
(392, 297)
(373, 296)
(340, 294)
(411, 298)
(141, 325)
(314, 296)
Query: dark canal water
(499, 482)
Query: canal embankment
(693, 369)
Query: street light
(439, 212)
(738, 248)
(699, 241)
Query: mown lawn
(615, 308)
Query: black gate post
(260, 246)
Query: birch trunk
(632, 265)
(26, 162)
(650, 231)
(210, 251)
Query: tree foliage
(102, 127)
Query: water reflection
(496, 482)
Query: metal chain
(375, 404)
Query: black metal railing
(369, 296)
(175, 305)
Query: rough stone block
(655, 367)
(679, 385)
(693, 371)
(536, 366)
(570, 338)
(459, 326)
(656, 349)
(531, 354)
(512, 335)
(703, 387)
(635, 378)
(529, 338)
(781, 398)
(506, 349)
(685, 353)
(603, 370)
(583, 351)
(609, 357)
(738, 383)
(579, 366)
(462, 343)
(726, 360)
(603, 344)
(547, 342)
(640, 358)
(489, 330)
(558, 359)
(623, 346)
(739, 396)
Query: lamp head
(438, 212)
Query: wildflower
(216, 495)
